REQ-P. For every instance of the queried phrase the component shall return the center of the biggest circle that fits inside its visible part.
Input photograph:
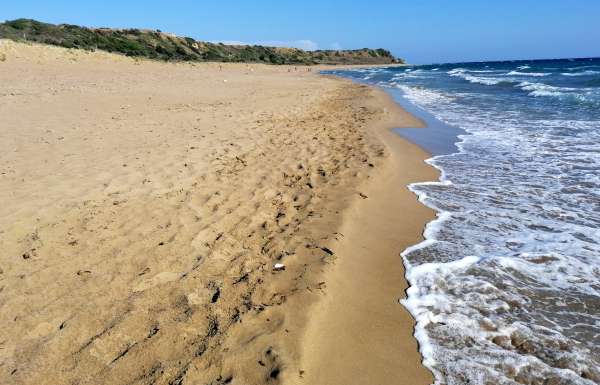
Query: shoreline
(148, 205)
(360, 321)
(474, 313)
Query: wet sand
(181, 223)
(359, 333)
(439, 138)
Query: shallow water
(506, 287)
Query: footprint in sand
(160, 278)
(111, 347)
(44, 329)
(202, 296)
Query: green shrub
(19, 24)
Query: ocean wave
(409, 74)
(488, 81)
(421, 95)
(534, 74)
(456, 71)
(541, 89)
(468, 324)
(584, 73)
(485, 80)
(482, 80)
(581, 96)
(414, 71)
(524, 67)
(582, 67)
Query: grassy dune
(155, 44)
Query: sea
(505, 288)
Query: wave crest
(534, 74)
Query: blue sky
(426, 31)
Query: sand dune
(145, 205)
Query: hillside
(164, 46)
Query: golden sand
(201, 224)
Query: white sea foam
(448, 298)
(422, 95)
(462, 73)
(482, 80)
(583, 73)
(420, 299)
(413, 74)
(456, 71)
(534, 74)
(541, 89)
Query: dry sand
(145, 204)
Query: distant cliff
(164, 46)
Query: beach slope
(200, 223)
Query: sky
(420, 31)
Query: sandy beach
(202, 224)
